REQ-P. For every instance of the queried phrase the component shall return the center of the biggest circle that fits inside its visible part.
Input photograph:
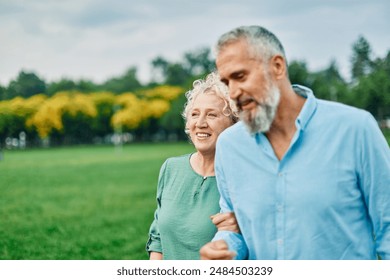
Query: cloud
(98, 39)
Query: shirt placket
(280, 202)
(279, 196)
(280, 214)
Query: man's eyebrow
(225, 81)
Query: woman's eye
(194, 114)
(212, 115)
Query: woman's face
(205, 121)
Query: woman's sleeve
(154, 242)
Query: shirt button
(280, 242)
(280, 174)
(279, 208)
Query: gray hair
(263, 42)
(211, 85)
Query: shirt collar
(308, 108)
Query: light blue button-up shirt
(327, 198)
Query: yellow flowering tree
(104, 103)
(130, 111)
(165, 92)
(162, 100)
(75, 117)
(15, 112)
(48, 117)
(66, 113)
(157, 107)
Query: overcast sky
(99, 39)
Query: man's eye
(240, 76)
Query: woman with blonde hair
(187, 194)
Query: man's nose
(234, 90)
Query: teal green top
(185, 202)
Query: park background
(79, 157)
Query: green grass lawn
(80, 202)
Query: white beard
(264, 114)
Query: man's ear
(278, 67)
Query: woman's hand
(155, 256)
(225, 221)
(216, 250)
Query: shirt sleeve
(234, 240)
(375, 183)
(154, 242)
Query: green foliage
(372, 92)
(69, 85)
(125, 83)
(194, 64)
(61, 85)
(328, 84)
(177, 74)
(80, 203)
(199, 62)
(386, 133)
(2, 93)
(298, 73)
(26, 85)
(104, 102)
(172, 121)
(361, 58)
(159, 70)
(369, 89)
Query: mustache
(240, 102)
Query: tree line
(71, 112)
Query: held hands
(219, 250)
(216, 250)
(225, 221)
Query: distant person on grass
(187, 193)
(306, 178)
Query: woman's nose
(201, 122)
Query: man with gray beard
(306, 178)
